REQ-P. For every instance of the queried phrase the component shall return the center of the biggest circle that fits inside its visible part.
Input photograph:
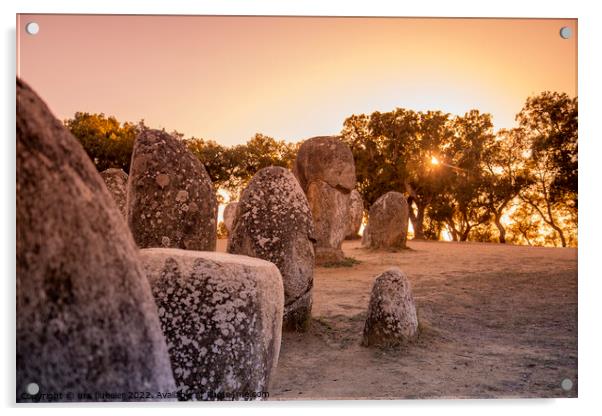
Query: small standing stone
(392, 318)
(387, 223)
(356, 214)
(116, 181)
(171, 201)
(229, 215)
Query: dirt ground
(496, 321)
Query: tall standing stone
(86, 319)
(171, 201)
(222, 317)
(388, 222)
(326, 171)
(116, 181)
(229, 214)
(356, 214)
(274, 223)
(392, 318)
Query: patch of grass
(323, 323)
(346, 262)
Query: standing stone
(330, 209)
(222, 317)
(325, 169)
(86, 318)
(229, 214)
(387, 223)
(171, 202)
(274, 223)
(356, 214)
(391, 316)
(116, 181)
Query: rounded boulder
(86, 321)
(116, 181)
(387, 222)
(392, 318)
(274, 223)
(171, 201)
(328, 159)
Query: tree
(424, 182)
(549, 121)
(541, 197)
(108, 142)
(505, 174)
(217, 159)
(526, 225)
(393, 150)
(463, 205)
(231, 168)
(368, 156)
(259, 152)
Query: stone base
(328, 255)
(222, 318)
(298, 314)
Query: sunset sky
(227, 78)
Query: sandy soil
(497, 321)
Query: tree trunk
(418, 221)
(501, 229)
(550, 219)
(417, 217)
(464, 236)
(560, 234)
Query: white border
(590, 158)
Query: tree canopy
(461, 178)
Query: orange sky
(226, 78)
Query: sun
(434, 160)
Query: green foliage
(217, 159)
(518, 185)
(259, 152)
(550, 120)
(479, 176)
(346, 262)
(393, 151)
(549, 123)
(108, 142)
(231, 168)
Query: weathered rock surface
(86, 318)
(222, 317)
(171, 202)
(328, 159)
(391, 316)
(326, 171)
(116, 181)
(274, 223)
(329, 208)
(355, 216)
(229, 214)
(387, 222)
